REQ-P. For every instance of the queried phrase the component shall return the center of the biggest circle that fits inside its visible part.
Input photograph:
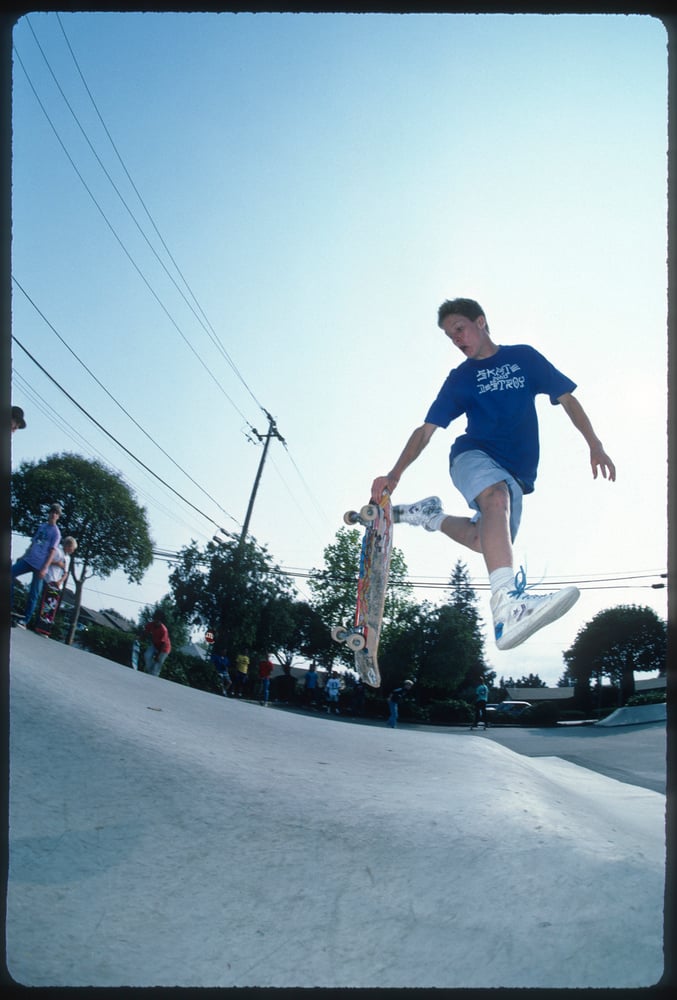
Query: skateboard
(363, 636)
(49, 605)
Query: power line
(126, 251)
(208, 328)
(117, 403)
(596, 583)
(115, 440)
(83, 443)
(212, 334)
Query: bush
(450, 712)
(112, 643)
(572, 715)
(648, 698)
(408, 711)
(191, 671)
(544, 714)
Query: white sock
(502, 579)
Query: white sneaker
(421, 512)
(518, 615)
(21, 624)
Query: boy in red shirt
(160, 647)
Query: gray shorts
(474, 471)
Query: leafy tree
(405, 651)
(290, 628)
(456, 659)
(99, 511)
(333, 588)
(530, 681)
(462, 594)
(334, 591)
(232, 589)
(442, 647)
(615, 643)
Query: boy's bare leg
(491, 534)
(462, 530)
(494, 504)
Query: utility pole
(272, 432)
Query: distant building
(562, 695)
(650, 684)
(107, 619)
(541, 694)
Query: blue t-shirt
(46, 538)
(497, 395)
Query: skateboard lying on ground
(363, 636)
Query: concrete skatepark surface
(163, 836)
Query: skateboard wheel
(351, 517)
(356, 642)
(339, 634)
(369, 512)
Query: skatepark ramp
(635, 715)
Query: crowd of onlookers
(318, 690)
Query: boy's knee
(496, 496)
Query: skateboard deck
(362, 637)
(49, 605)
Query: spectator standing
(265, 670)
(481, 699)
(160, 646)
(331, 691)
(310, 686)
(286, 686)
(358, 697)
(37, 559)
(394, 699)
(241, 672)
(221, 665)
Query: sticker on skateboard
(362, 637)
(49, 605)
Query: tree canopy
(441, 646)
(236, 590)
(616, 642)
(334, 592)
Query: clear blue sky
(323, 182)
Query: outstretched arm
(412, 449)
(599, 460)
(48, 562)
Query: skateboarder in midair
(494, 462)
